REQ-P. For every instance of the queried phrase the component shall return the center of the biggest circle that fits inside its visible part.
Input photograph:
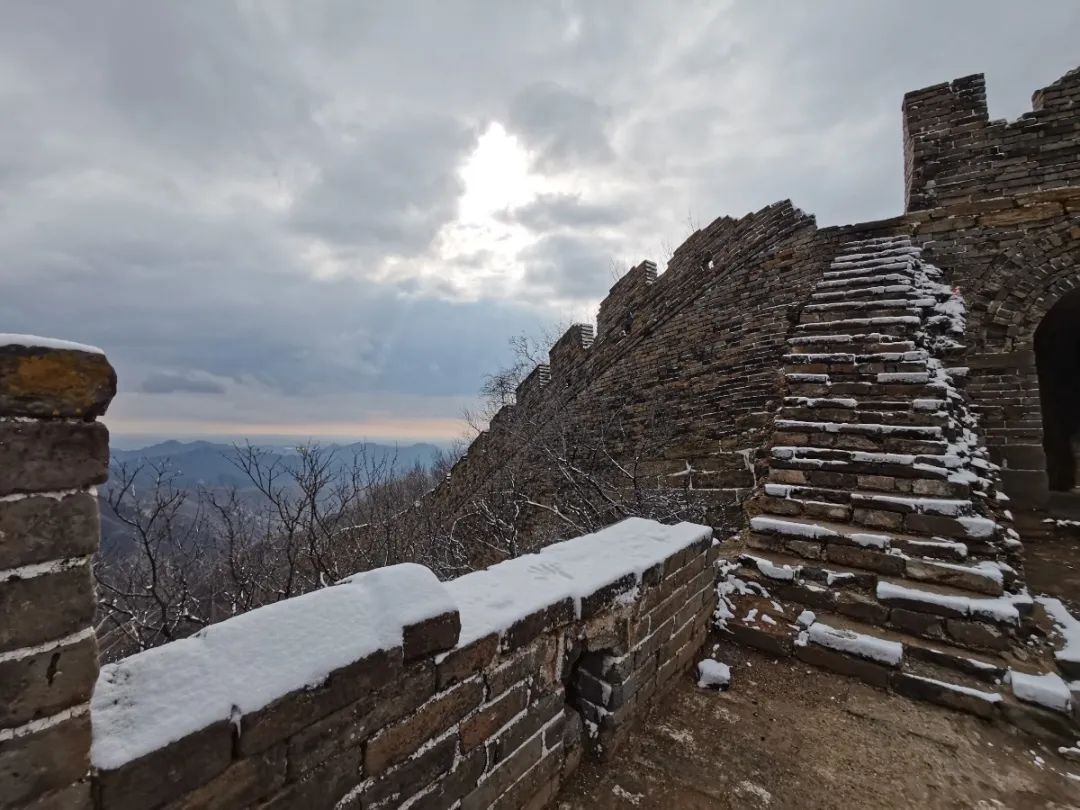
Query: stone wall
(52, 454)
(954, 153)
(392, 689)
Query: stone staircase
(879, 546)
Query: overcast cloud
(326, 218)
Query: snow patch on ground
(1047, 689)
(713, 674)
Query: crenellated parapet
(619, 310)
(954, 153)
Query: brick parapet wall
(486, 708)
(954, 153)
(52, 455)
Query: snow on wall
(155, 697)
(491, 600)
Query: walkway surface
(786, 736)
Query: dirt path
(785, 736)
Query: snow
(36, 342)
(989, 697)
(1002, 608)
(806, 618)
(150, 699)
(492, 600)
(1067, 626)
(867, 540)
(1047, 689)
(768, 569)
(848, 641)
(789, 527)
(713, 674)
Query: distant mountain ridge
(202, 463)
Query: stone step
(931, 432)
(903, 503)
(888, 553)
(971, 530)
(874, 443)
(926, 396)
(873, 309)
(934, 612)
(892, 485)
(895, 290)
(899, 326)
(858, 281)
(913, 303)
(893, 415)
(861, 462)
(859, 343)
(834, 551)
(874, 267)
(945, 686)
(875, 243)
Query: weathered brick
(432, 635)
(396, 743)
(46, 607)
(406, 780)
(43, 683)
(244, 782)
(291, 713)
(40, 528)
(45, 382)
(503, 775)
(464, 662)
(489, 719)
(38, 456)
(169, 772)
(45, 761)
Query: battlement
(954, 153)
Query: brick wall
(491, 690)
(954, 153)
(52, 454)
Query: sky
(326, 219)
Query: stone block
(538, 784)
(167, 773)
(525, 630)
(35, 764)
(293, 712)
(939, 693)
(478, 728)
(349, 726)
(977, 635)
(398, 742)
(46, 607)
(44, 683)
(433, 635)
(503, 775)
(926, 625)
(243, 783)
(867, 671)
(404, 781)
(525, 727)
(77, 796)
(605, 597)
(38, 456)
(331, 785)
(454, 785)
(46, 383)
(40, 528)
(464, 662)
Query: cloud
(562, 126)
(554, 211)
(164, 382)
(268, 197)
(570, 267)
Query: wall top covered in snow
(367, 688)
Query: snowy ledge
(233, 668)
(36, 342)
(493, 600)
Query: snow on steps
(929, 670)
